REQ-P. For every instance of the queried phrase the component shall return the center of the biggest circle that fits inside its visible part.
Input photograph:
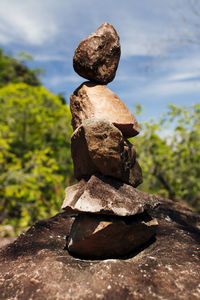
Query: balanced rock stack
(112, 218)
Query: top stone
(96, 58)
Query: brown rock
(103, 237)
(104, 195)
(97, 146)
(38, 266)
(97, 56)
(91, 101)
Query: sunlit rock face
(97, 56)
(93, 101)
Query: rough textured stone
(104, 236)
(104, 195)
(97, 146)
(37, 265)
(91, 101)
(97, 56)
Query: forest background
(35, 157)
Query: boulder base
(38, 266)
(103, 237)
(104, 195)
(92, 101)
(97, 146)
(97, 56)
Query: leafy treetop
(14, 71)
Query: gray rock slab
(104, 195)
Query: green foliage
(171, 163)
(35, 157)
(13, 71)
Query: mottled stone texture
(97, 146)
(104, 195)
(91, 101)
(37, 266)
(97, 56)
(102, 236)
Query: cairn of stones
(111, 217)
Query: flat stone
(101, 236)
(92, 101)
(97, 146)
(97, 56)
(104, 195)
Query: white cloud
(50, 30)
(184, 76)
(25, 21)
(39, 22)
(184, 63)
(140, 37)
(180, 78)
(176, 78)
(56, 80)
(165, 88)
(49, 57)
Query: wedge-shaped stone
(97, 56)
(97, 146)
(104, 195)
(91, 101)
(103, 237)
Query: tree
(35, 156)
(171, 165)
(14, 71)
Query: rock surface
(91, 101)
(104, 195)
(104, 236)
(97, 146)
(6, 240)
(37, 266)
(97, 56)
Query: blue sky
(158, 66)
